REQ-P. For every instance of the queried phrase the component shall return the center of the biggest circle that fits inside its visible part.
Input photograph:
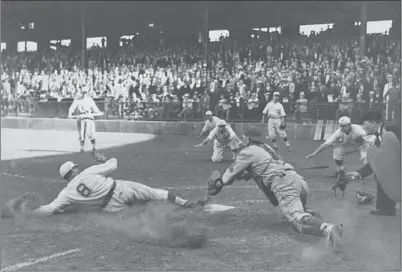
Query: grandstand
(133, 33)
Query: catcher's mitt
(215, 184)
(99, 157)
(364, 198)
(341, 182)
(282, 127)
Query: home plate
(217, 208)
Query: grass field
(250, 237)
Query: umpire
(373, 124)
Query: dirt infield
(250, 237)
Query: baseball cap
(222, 123)
(66, 167)
(372, 116)
(276, 94)
(208, 113)
(344, 120)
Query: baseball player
(349, 138)
(210, 123)
(222, 135)
(85, 121)
(93, 189)
(276, 121)
(279, 182)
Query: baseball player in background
(85, 121)
(93, 189)
(349, 138)
(276, 121)
(222, 135)
(280, 183)
(210, 123)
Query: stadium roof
(61, 19)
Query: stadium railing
(308, 112)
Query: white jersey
(210, 125)
(86, 191)
(357, 136)
(222, 138)
(274, 110)
(84, 105)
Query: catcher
(279, 182)
(222, 135)
(92, 189)
(85, 120)
(276, 121)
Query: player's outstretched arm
(103, 169)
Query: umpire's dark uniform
(384, 205)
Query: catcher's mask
(252, 133)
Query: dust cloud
(161, 224)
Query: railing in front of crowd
(305, 112)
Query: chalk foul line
(40, 260)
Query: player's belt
(109, 195)
(87, 118)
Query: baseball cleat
(334, 237)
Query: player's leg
(282, 133)
(272, 132)
(338, 156)
(288, 190)
(82, 134)
(217, 154)
(134, 192)
(91, 133)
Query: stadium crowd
(169, 79)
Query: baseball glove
(282, 126)
(99, 157)
(364, 198)
(341, 182)
(215, 184)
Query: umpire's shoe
(334, 238)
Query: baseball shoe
(82, 150)
(334, 237)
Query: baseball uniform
(221, 140)
(356, 140)
(89, 191)
(275, 113)
(210, 125)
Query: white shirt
(355, 137)
(95, 179)
(84, 105)
(222, 138)
(209, 125)
(274, 110)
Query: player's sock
(175, 199)
(82, 145)
(93, 145)
(339, 165)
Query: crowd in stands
(171, 80)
